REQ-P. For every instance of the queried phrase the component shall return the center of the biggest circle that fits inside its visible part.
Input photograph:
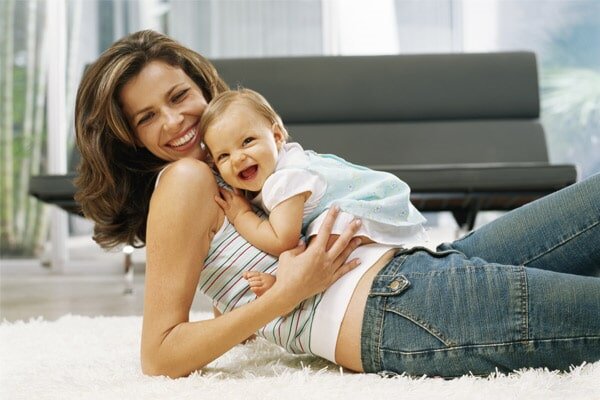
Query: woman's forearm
(189, 346)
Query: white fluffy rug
(98, 358)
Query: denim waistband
(389, 281)
(386, 282)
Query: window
(564, 34)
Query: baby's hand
(232, 203)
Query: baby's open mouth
(248, 173)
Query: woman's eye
(180, 96)
(145, 118)
(248, 141)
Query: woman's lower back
(347, 350)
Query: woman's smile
(185, 141)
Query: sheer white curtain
(23, 70)
(253, 28)
(356, 27)
(429, 26)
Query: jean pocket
(405, 332)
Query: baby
(247, 142)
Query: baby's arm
(275, 235)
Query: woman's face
(163, 106)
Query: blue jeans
(521, 291)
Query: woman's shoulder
(185, 191)
(186, 171)
(183, 180)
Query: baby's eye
(222, 157)
(179, 96)
(248, 140)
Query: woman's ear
(133, 137)
(138, 143)
(133, 140)
(278, 134)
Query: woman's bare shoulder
(188, 171)
(186, 185)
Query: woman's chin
(196, 153)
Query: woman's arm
(279, 233)
(182, 220)
(218, 313)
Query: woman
(517, 292)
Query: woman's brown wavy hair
(115, 177)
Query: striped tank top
(221, 280)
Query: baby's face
(244, 147)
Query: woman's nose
(172, 119)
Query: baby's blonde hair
(220, 103)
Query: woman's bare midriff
(347, 349)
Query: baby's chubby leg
(259, 282)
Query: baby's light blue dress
(381, 200)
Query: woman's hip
(441, 313)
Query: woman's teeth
(184, 139)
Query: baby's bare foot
(259, 282)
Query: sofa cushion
(391, 88)
(441, 142)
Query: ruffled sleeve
(289, 182)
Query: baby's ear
(278, 134)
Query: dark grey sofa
(461, 129)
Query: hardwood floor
(51, 296)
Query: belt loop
(396, 264)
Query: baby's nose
(239, 156)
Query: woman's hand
(306, 271)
